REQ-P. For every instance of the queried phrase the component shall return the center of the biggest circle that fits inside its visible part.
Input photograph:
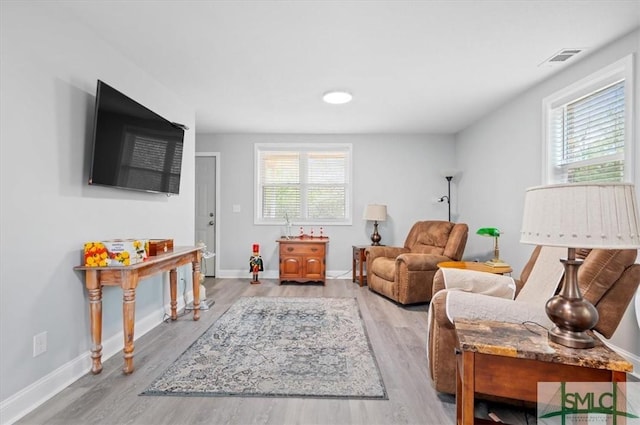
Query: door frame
(216, 224)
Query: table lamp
(375, 213)
(494, 233)
(589, 215)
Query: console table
(127, 277)
(508, 360)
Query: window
(588, 129)
(306, 184)
(149, 161)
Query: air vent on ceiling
(562, 56)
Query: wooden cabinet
(303, 259)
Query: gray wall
(49, 68)
(501, 156)
(401, 171)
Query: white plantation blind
(588, 128)
(589, 137)
(306, 184)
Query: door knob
(211, 223)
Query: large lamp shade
(585, 215)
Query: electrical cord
(527, 323)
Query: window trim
(622, 69)
(302, 147)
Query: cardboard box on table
(115, 253)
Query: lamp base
(375, 237)
(498, 263)
(571, 339)
(572, 314)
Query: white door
(206, 209)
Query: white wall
(500, 156)
(49, 68)
(401, 171)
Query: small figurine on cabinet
(255, 264)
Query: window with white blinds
(588, 131)
(306, 184)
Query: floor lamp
(448, 174)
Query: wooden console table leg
(95, 314)
(196, 288)
(129, 283)
(173, 291)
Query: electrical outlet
(39, 343)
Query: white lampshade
(374, 212)
(590, 215)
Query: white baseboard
(29, 398)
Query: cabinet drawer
(302, 249)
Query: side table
(359, 259)
(474, 265)
(508, 360)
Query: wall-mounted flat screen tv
(133, 147)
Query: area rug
(279, 347)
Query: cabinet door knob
(289, 249)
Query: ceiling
(412, 66)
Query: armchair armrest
(467, 305)
(474, 281)
(373, 252)
(420, 262)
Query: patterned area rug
(279, 347)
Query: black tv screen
(133, 147)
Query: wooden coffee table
(474, 265)
(508, 360)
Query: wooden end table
(474, 265)
(359, 258)
(508, 360)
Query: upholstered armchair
(405, 274)
(607, 278)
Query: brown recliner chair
(607, 278)
(405, 274)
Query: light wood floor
(397, 334)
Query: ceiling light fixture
(337, 97)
